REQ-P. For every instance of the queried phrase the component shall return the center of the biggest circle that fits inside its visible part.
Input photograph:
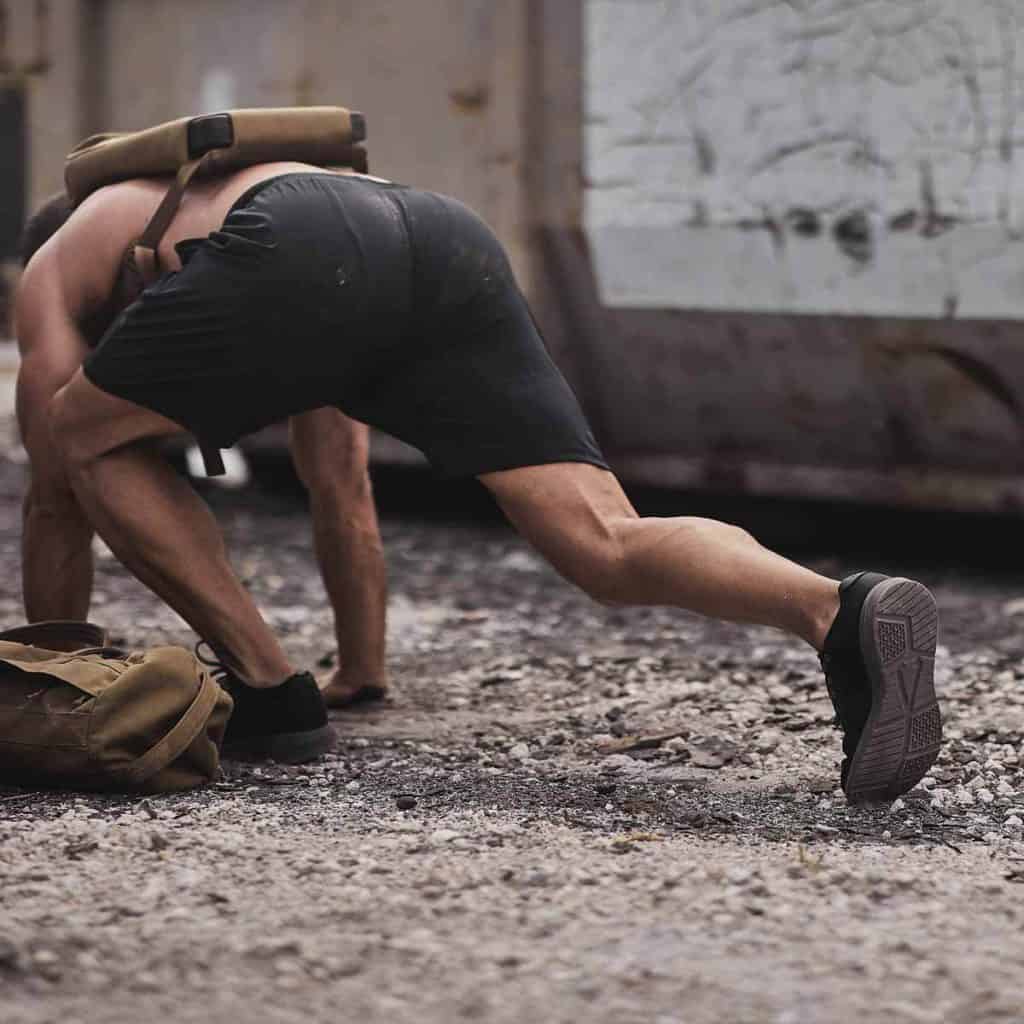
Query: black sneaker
(879, 661)
(287, 722)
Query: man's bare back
(92, 246)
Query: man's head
(43, 224)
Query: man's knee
(603, 574)
(65, 432)
(75, 438)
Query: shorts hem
(97, 380)
(481, 468)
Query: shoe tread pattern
(901, 739)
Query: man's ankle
(820, 620)
(263, 676)
(275, 680)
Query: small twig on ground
(649, 742)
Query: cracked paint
(818, 156)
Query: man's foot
(341, 693)
(879, 660)
(287, 722)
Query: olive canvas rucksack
(210, 144)
(76, 714)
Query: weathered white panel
(819, 156)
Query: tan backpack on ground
(75, 714)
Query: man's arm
(59, 287)
(331, 454)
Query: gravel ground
(565, 813)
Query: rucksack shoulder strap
(180, 737)
(144, 253)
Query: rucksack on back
(324, 136)
(209, 144)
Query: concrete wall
(812, 156)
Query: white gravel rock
(619, 762)
(963, 796)
(444, 835)
(768, 741)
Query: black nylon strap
(213, 463)
(146, 260)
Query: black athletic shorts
(395, 305)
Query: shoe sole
(903, 733)
(285, 747)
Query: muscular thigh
(571, 512)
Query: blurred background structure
(776, 247)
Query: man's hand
(331, 456)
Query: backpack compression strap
(146, 263)
(144, 252)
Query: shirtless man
(330, 453)
(398, 307)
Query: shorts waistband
(254, 190)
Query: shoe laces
(218, 670)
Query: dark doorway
(12, 169)
(12, 189)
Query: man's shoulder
(82, 258)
